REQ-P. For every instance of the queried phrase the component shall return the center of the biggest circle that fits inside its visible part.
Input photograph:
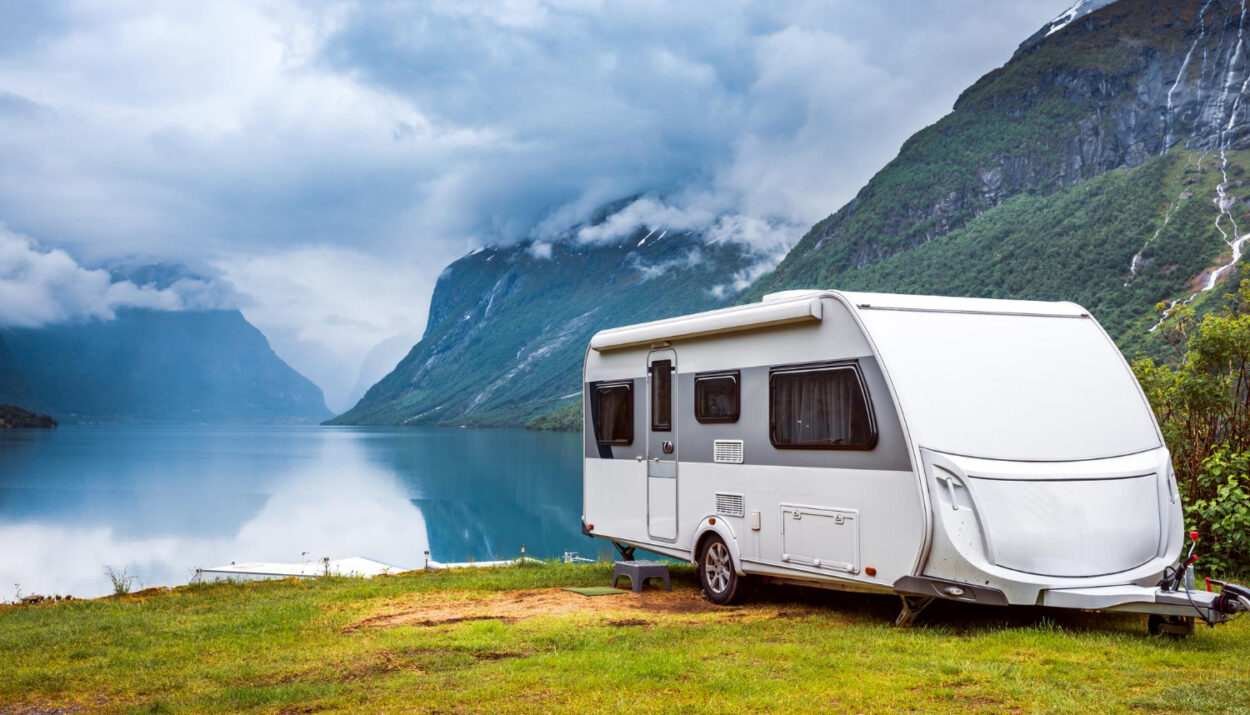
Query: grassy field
(509, 640)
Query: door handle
(667, 446)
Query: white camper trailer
(989, 451)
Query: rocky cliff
(1152, 91)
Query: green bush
(1202, 401)
(1223, 516)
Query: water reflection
(160, 501)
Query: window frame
(736, 375)
(851, 365)
(597, 387)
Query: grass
(348, 644)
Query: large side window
(614, 413)
(716, 396)
(662, 396)
(820, 407)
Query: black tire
(1154, 624)
(721, 584)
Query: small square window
(614, 413)
(717, 397)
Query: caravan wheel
(721, 584)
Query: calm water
(161, 501)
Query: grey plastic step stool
(639, 571)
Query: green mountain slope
(1078, 244)
(1121, 133)
(509, 325)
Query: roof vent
(788, 294)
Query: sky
(318, 163)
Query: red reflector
(1193, 536)
(712, 520)
(590, 527)
(870, 571)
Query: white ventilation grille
(727, 451)
(730, 504)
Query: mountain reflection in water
(160, 501)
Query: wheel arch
(716, 526)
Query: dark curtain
(615, 419)
(825, 407)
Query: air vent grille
(730, 504)
(727, 451)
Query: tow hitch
(1172, 605)
(1233, 598)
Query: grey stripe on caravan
(641, 422)
(695, 440)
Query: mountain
(378, 363)
(164, 366)
(1108, 162)
(508, 325)
(13, 388)
(1105, 163)
(1062, 20)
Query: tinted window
(614, 414)
(662, 396)
(716, 397)
(819, 408)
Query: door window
(662, 396)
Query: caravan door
(662, 445)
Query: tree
(1202, 401)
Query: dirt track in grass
(625, 609)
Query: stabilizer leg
(1171, 626)
(912, 606)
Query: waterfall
(1236, 242)
(1180, 75)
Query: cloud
(409, 132)
(540, 250)
(324, 308)
(38, 287)
(745, 277)
(649, 271)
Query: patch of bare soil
(39, 709)
(623, 610)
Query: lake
(160, 501)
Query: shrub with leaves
(1202, 401)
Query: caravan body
(990, 451)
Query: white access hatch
(822, 537)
